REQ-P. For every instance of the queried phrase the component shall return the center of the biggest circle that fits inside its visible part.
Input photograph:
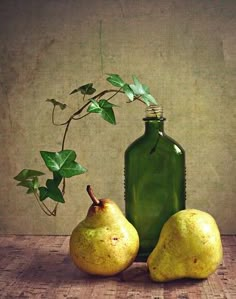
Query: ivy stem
(65, 133)
(96, 201)
(53, 118)
(43, 207)
(55, 209)
(81, 116)
(62, 148)
(119, 90)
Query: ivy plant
(63, 164)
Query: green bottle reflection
(154, 181)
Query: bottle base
(141, 257)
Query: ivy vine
(63, 164)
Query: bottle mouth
(154, 112)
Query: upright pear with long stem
(104, 243)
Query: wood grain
(40, 267)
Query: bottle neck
(154, 126)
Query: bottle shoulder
(162, 141)
(174, 143)
(136, 143)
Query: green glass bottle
(154, 180)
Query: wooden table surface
(40, 267)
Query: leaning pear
(189, 247)
(104, 243)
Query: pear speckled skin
(104, 243)
(189, 247)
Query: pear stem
(92, 196)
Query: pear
(104, 243)
(189, 247)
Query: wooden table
(40, 267)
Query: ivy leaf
(115, 80)
(147, 98)
(72, 169)
(85, 89)
(55, 160)
(43, 193)
(94, 107)
(106, 104)
(57, 103)
(63, 163)
(108, 115)
(27, 174)
(31, 184)
(137, 87)
(74, 91)
(57, 178)
(27, 184)
(35, 182)
(52, 191)
(128, 91)
(146, 88)
(143, 91)
(30, 190)
(104, 108)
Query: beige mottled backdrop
(184, 50)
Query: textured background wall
(183, 50)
